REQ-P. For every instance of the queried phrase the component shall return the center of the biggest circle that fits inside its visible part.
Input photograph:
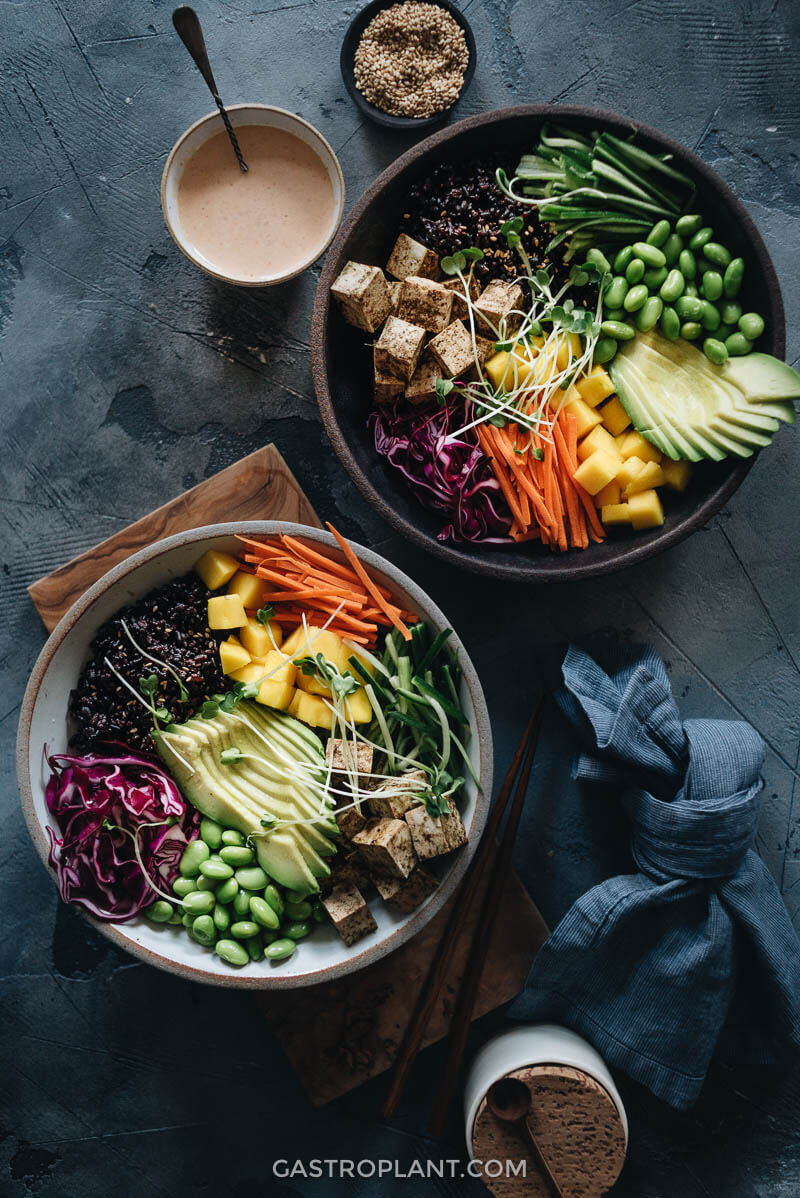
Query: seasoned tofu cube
(342, 757)
(452, 350)
(426, 303)
(494, 307)
(386, 387)
(216, 569)
(350, 822)
(433, 836)
(362, 294)
(349, 913)
(460, 309)
(399, 348)
(485, 352)
(395, 796)
(410, 257)
(394, 293)
(405, 894)
(385, 845)
(422, 386)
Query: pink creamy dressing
(263, 223)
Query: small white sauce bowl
(246, 114)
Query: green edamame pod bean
(651, 255)
(635, 298)
(688, 225)
(296, 896)
(614, 314)
(231, 952)
(703, 265)
(616, 291)
(730, 312)
(319, 913)
(262, 913)
(715, 351)
(634, 271)
(237, 855)
(711, 318)
(211, 833)
(691, 290)
(279, 950)
(752, 325)
(159, 912)
(204, 929)
(737, 345)
(672, 248)
(199, 902)
(268, 936)
(701, 238)
(687, 265)
(193, 854)
(691, 330)
(188, 919)
(222, 918)
(654, 277)
(297, 931)
(716, 253)
(251, 878)
(175, 919)
(689, 307)
(659, 233)
(649, 314)
(724, 331)
(274, 898)
(183, 886)
(670, 324)
(241, 903)
(711, 285)
(672, 287)
(255, 948)
(231, 836)
(604, 350)
(732, 279)
(227, 892)
(299, 911)
(623, 259)
(216, 869)
(598, 259)
(204, 883)
(243, 929)
(620, 331)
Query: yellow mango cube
(586, 418)
(597, 471)
(226, 611)
(509, 369)
(255, 638)
(598, 438)
(273, 691)
(676, 474)
(595, 386)
(569, 350)
(646, 510)
(233, 656)
(250, 587)
(279, 668)
(358, 707)
(635, 445)
(609, 495)
(495, 368)
(615, 418)
(650, 475)
(628, 471)
(310, 709)
(331, 646)
(615, 513)
(216, 569)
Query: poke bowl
(644, 321)
(255, 756)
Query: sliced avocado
(725, 436)
(754, 420)
(760, 376)
(780, 409)
(634, 396)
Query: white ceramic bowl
(207, 127)
(44, 720)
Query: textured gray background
(128, 375)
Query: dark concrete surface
(127, 375)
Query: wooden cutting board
(340, 1033)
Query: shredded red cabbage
(93, 798)
(452, 476)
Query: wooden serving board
(353, 1027)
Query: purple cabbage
(95, 863)
(452, 477)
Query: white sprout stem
(361, 652)
(175, 753)
(127, 684)
(155, 660)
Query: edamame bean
(193, 854)
(175, 919)
(654, 277)
(187, 919)
(716, 253)
(635, 298)
(670, 324)
(251, 878)
(268, 936)
(691, 290)
(183, 886)
(262, 913)
(227, 892)
(689, 307)
(255, 948)
(231, 952)
(274, 898)
(297, 931)
(614, 314)
(216, 869)
(211, 833)
(205, 929)
(732, 279)
(649, 314)
(222, 918)
(691, 330)
(299, 911)
(701, 238)
(199, 902)
(159, 912)
(598, 259)
(711, 318)
(604, 350)
(737, 345)
(231, 836)
(724, 331)
(672, 248)
(319, 913)
(622, 259)
(204, 883)
(688, 225)
(243, 929)
(634, 271)
(241, 903)
(279, 950)
(752, 325)
(687, 265)
(703, 265)
(616, 292)
(620, 331)
(651, 255)
(237, 855)
(296, 896)
(730, 312)
(659, 233)
(712, 285)
(715, 351)
(672, 287)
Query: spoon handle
(187, 26)
(544, 1168)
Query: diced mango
(615, 513)
(226, 611)
(609, 495)
(650, 475)
(495, 368)
(598, 438)
(250, 587)
(646, 510)
(635, 445)
(569, 350)
(358, 707)
(216, 569)
(255, 637)
(628, 471)
(233, 656)
(586, 418)
(311, 710)
(312, 685)
(615, 418)
(273, 691)
(595, 386)
(509, 369)
(676, 474)
(597, 471)
(331, 646)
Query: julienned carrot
(500, 475)
(390, 610)
(578, 535)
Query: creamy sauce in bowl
(266, 223)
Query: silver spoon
(187, 25)
(509, 1100)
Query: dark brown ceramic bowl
(342, 368)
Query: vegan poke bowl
(255, 755)
(548, 342)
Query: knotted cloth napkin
(695, 954)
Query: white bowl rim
(276, 981)
(334, 167)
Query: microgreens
(148, 686)
(228, 701)
(183, 693)
(265, 614)
(325, 672)
(231, 756)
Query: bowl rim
(241, 981)
(582, 566)
(387, 119)
(335, 167)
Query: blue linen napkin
(695, 954)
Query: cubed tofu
(452, 350)
(233, 656)
(650, 475)
(610, 494)
(494, 308)
(434, 836)
(676, 474)
(635, 445)
(362, 294)
(350, 822)
(410, 257)
(628, 471)
(399, 348)
(615, 513)
(216, 569)
(586, 418)
(311, 710)
(485, 348)
(595, 386)
(422, 386)
(256, 639)
(646, 510)
(395, 796)
(345, 759)
(386, 845)
(394, 293)
(385, 387)
(249, 587)
(597, 471)
(460, 309)
(226, 611)
(404, 895)
(615, 418)
(347, 869)
(426, 303)
(598, 438)
(349, 912)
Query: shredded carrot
(371, 587)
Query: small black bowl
(347, 60)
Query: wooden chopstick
(468, 991)
(441, 962)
